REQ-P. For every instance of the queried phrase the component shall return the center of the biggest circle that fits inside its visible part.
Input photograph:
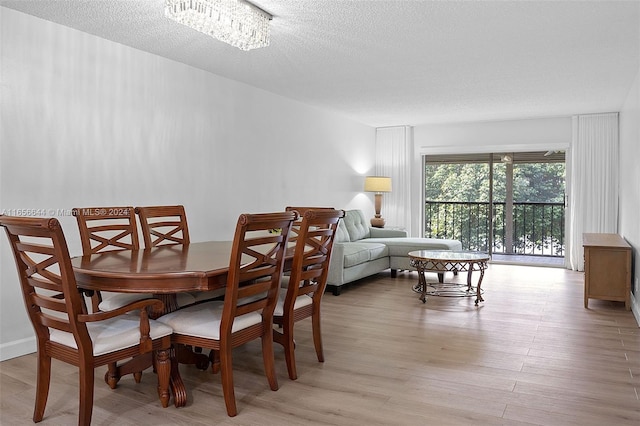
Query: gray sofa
(360, 250)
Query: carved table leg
(163, 368)
(178, 389)
(178, 353)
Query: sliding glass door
(510, 204)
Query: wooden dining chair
(64, 330)
(255, 269)
(307, 281)
(104, 229)
(163, 225)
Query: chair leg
(42, 387)
(86, 394)
(163, 368)
(112, 376)
(289, 350)
(214, 358)
(226, 372)
(269, 359)
(317, 334)
(96, 299)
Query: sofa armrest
(336, 264)
(386, 233)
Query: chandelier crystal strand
(236, 22)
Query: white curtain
(393, 159)
(592, 174)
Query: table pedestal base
(179, 354)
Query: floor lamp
(377, 184)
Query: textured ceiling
(387, 63)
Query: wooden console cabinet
(607, 268)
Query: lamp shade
(377, 184)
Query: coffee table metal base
(448, 289)
(441, 261)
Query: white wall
(484, 137)
(629, 224)
(89, 122)
(493, 136)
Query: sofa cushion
(402, 246)
(386, 233)
(342, 235)
(356, 225)
(357, 253)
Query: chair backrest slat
(49, 302)
(55, 322)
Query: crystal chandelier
(236, 22)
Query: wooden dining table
(163, 271)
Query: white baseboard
(635, 308)
(18, 348)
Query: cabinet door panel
(607, 273)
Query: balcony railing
(536, 229)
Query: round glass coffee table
(441, 261)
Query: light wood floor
(529, 355)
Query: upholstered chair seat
(203, 320)
(300, 302)
(113, 334)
